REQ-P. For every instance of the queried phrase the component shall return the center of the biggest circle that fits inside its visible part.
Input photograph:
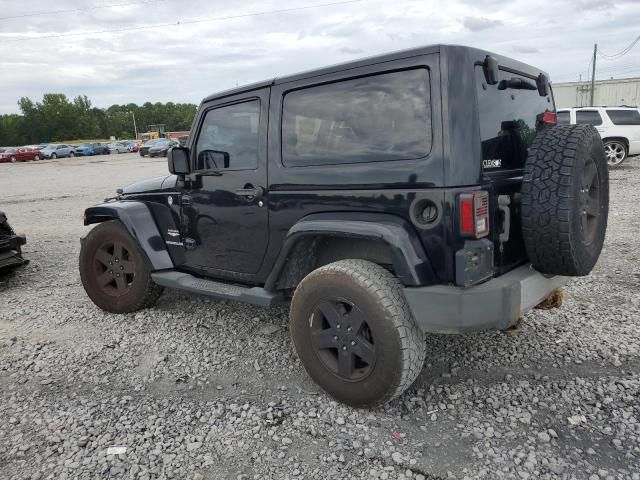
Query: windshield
(84, 145)
(508, 120)
(10, 150)
(155, 141)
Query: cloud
(477, 24)
(525, 49)
(186, 62)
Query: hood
(157, 184)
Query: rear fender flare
(410, 261)
(139, 221)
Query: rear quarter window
(376, 118)
(624, 117)
(564, 118)
(588, 117)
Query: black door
(225, 217)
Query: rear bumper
(496, 304)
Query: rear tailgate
(509, 119)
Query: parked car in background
(619, 128)
(144, 149)
(21, 154)
(53, 150)
(87, 149)
(161, 149)
(117, 147)
(132, 146)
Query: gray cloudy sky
(186, 62)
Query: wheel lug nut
(353, 343)
(118, 275)
(335, 337)
(348, 329)
(344, 347)
(121, 267)
(338, 326)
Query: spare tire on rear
(565, 200)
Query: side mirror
(178, 160)
(491, 70)
(542, 83)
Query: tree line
(57, 118)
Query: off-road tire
(142, 292)
(557, 238)
(399, 344)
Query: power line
(622, 52)
(85, 9)
(173, 24)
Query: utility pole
(593, 72)
(135, 129)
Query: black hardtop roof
(477, 55)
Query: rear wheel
(616, 152)
(13, 160)
(354, 333)
(114, 271)
(37, 157)
(71, 154)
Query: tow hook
(554, 300)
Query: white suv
(619, 128)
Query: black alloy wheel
(354, 332)
(342, 339)
(114, 269)
(590, 200)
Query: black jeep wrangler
(427, 190)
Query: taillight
(474, 214)
(549, 118)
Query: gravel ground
(196, 388)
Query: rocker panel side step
(185, 281)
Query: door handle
(250, 191)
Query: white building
(624, 91)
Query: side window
(624, 117)
(228, 138)
(370, 119)
(589, 117)
(563, 118)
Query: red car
(23, 154)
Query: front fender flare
(139, 221)
(410, 261)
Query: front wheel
(354, 333)
(71, 155)
(615, 151)
(54, 156)
(114, 271)
(37, 157)
(14, 159)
